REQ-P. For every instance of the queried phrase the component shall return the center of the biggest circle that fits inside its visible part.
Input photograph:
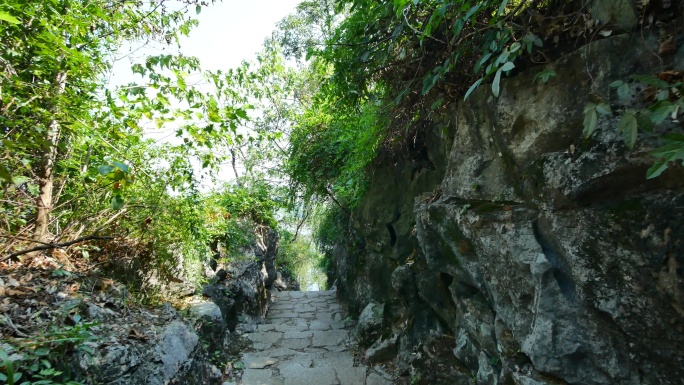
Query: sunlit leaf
(8, 18)
(19, 179)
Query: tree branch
(56, 245)
(299, 226)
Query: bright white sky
(233, 30)
(228, 33)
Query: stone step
(306, 339)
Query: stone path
(305, 340)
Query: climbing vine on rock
(663, 100)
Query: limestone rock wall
(523, 253)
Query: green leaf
(19, 179)
(458, 27)
(198, 9)
(121, 166)
(8, 18)
(105, 169)
(657, 169)
(429, 82)
(495, 83)
(616, 84)
(661, 110)
(590, 122)
(473, 88)
(9, 368)
(663, 95)
(604, 109)
(502, 7)
(674, 138)
(473, 10)
(365, 56)
(117, 202)
(644, 120)
(590, 106)
(480, 62)
(545, 75)
(437, 103)
(507, 66)
(42, 352)
(652, 80)
(623, 91)
(497, 78)
(4, 174)
(629, 128)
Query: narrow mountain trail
(306, 340)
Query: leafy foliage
(301, 259)
(331, 226)
(43, 360)
(666, 103)
(387, 69)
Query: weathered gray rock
(376, 379)
(370, 322)
(266, 250)
(542, 257)
(383, 350)
(207, 309)
(176, 356)
(620, 13)
(176, 344)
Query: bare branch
(56, 245)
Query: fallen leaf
(28, 277)
(134, 334)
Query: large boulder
(266, 251)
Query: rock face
(184, 350)
(520, 253)
(266, 250)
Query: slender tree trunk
(47, 167)
(237, 176)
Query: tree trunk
(47, 168)
(237, 176)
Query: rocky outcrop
(266, 250)
(193, 349)
(521, 253)
(169, 349)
